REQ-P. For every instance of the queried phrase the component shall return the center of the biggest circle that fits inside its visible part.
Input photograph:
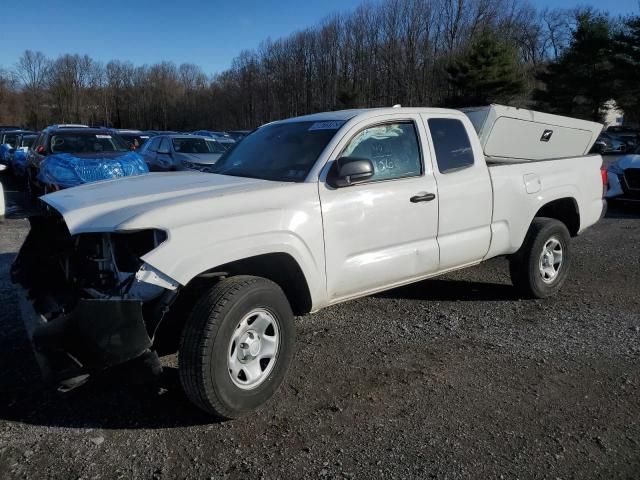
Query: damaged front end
(89, 302)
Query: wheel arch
(565, 210)
(281, 268)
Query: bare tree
(394, 51)
(32, 69)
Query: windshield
(190, 145)
(86, 143)
(28, 140)
(134, 139)
(282, 152)
(216, 147)
(11, 139)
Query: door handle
(424, 197)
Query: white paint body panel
(373, 234)
(578, 178)
(2, 204)
(348, 242)
(465, 204)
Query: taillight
(605, 179)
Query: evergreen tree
(488, 72)
(581, 80)
(626, 62)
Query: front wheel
(236, 346)
(540, 267)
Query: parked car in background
(223, 137)
(2, 203)
(165, 153)
(18, 157)
(606, 143)
(134, 138)
(628, 135)
(227, 143)
(212, 133)
(9, 140)
(9, 128)
(69, 125)
(63, 157)
(238, 135)
(154, 133)
(623, 178)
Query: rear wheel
(236, 346)
(540, 267)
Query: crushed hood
(155, 200)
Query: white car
(2, 203)
(302, 214)
(624, 178)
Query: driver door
(382, 232)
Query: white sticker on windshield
(103, 136)
(332, 125)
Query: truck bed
(520, 189)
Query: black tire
(524, 265)
(205, 345)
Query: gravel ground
(449, 378)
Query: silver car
(623, 180)
(166, 153)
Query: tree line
(409, 52)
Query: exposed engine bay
(95, 302)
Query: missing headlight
(128, 247)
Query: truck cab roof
(345, 115)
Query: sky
(209, 33)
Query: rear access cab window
(451, 143)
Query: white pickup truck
(304, 213)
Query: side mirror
(40, 150)
(347, 171)
(164, 150)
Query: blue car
(67, 157)
(18, 155)
(9, 141)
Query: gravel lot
(448, 378)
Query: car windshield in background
(217, 147)
(132, 138)
(86, 143)
(28, 141)
(191, 145)
(11, 139)
(282, 152)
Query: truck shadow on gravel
(453, 290)
(103, 403)
(108, 401)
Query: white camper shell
(509, 134)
